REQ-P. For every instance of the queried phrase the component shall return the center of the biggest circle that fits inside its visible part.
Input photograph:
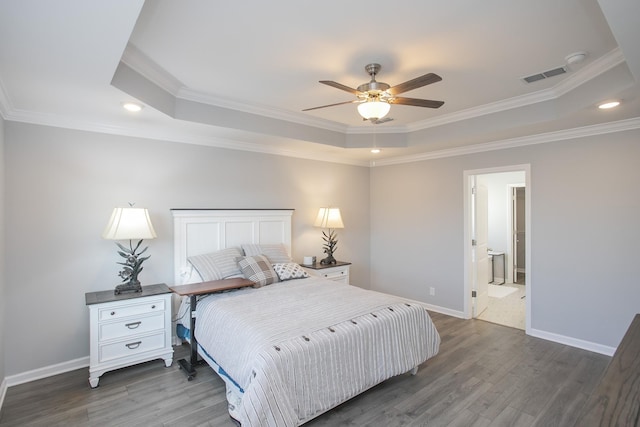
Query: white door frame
(479, 250)
(468, 262)
(511, 250)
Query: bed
(293, 346)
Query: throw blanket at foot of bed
(340, 341)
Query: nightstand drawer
(120, 311)
(338, 272)
(333, 275)
(132, 346)
(130, 327)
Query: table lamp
(331, 219)
(130, 224)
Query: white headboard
(200, 231)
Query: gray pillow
(258, 269)
(277, 253)
(217, 265)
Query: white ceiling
(235, 75)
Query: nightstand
(338, 272)
(128, 328)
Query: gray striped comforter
(300, 348)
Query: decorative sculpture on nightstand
(130, 224)
(329, 247)
(132, 267)
(329, 218)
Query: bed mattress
(299, 348)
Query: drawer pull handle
(133, 345)
(153, 306)
(133, 325)
(113, 313)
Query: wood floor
(484, 375)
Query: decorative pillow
(190, 275)
(258, 269)
(217, 265)
(289, 271)
(277, 253)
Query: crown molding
(150, 70)
(137, 61)
(143, 65)
(147, 68)
(164, 134)
(599, 66)
(581, 132)
(179, 136)
(596, 68)
(261, 110)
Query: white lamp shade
(329, 218)
(373, 109)
(129, 224)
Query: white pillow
(289, 271)
(217, 265)
(277, 253)
(190, 275)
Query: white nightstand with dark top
(128, 328)
(338, 272)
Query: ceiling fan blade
(340, 86)
(331, 105)
(427, 79)
(416, 102)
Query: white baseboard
(83, 362)
(441, 310)
(48, 371)
(549, 336)
(573, 342)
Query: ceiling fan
(374, 98)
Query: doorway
(507, 212)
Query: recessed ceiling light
(375, 150)
(608, 104)
(132, 106)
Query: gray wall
(62, 186)
(404, 225)
(2, 257)
(585, 207)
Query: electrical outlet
(432, 291)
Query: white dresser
(338, 272)
(128, 328)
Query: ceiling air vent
(544, 75)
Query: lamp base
(127, 288)
(328, 260)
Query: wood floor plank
(497, 398)
(484, 375)
(467, 418)
(511, 417)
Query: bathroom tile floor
(509, 310)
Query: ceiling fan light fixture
(374, 109)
